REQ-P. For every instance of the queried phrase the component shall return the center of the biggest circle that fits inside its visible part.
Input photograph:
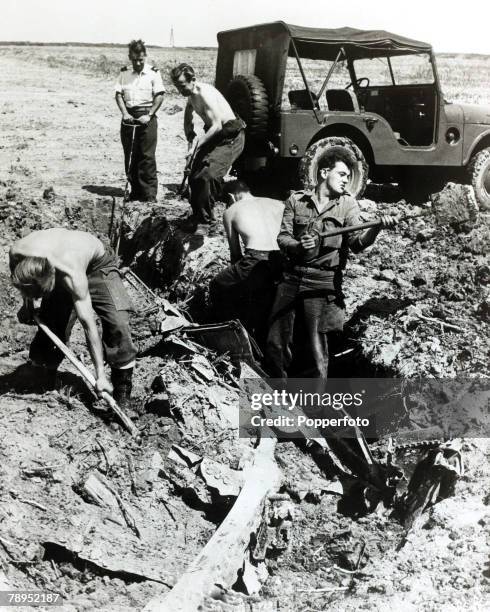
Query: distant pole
(172, 41)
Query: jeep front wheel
(479, 174)
(308, 167)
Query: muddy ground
(60, 134)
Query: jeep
(302, 91)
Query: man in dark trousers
(246, 288)
(309, 301)
(139, 94)
(213, 153)
(71, 270)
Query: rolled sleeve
(285, 239)
(157, 84)
(118, 85)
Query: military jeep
(302, 91)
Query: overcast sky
(459, 27)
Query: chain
(409, 446)
(416, 445)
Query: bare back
(69, 251)
(210, 105)
(257, 221)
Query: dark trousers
(246, 290)
(297, 343)
(142, 171)
(210, 165)
(111, 303)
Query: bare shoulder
(82, 236)
(207, 88)
(230, 213)
(271, 203)
(36, 240)
(209, 92)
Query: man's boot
(122, 381)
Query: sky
(461, 28)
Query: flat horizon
(29, 43)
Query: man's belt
(305, 269)
(232, 128)
(139, 111)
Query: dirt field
(60, 128)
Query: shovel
(117, 237)
(88, 376)
(455, 205)
(187, 171)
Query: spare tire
(308, 167)
(249, 100)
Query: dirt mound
(416, 299)
(173, 260)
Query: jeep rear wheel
(479, 173)
(308, 168)
(248, 99)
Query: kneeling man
(72, 270)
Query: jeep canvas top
(304, 90)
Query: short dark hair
(137, 47)
(182, 69)
(234, 187)
(337, 155)
(33, 276)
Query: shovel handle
(88, 376)
(367, 225)
(350, 228)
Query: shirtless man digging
(71, 270)
(246, 288)
(212, 154)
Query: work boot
(122, 381)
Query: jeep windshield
(308, 79)
(412, 69)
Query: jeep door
(402, 92)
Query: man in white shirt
(139, 95)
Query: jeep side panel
(300, 128)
